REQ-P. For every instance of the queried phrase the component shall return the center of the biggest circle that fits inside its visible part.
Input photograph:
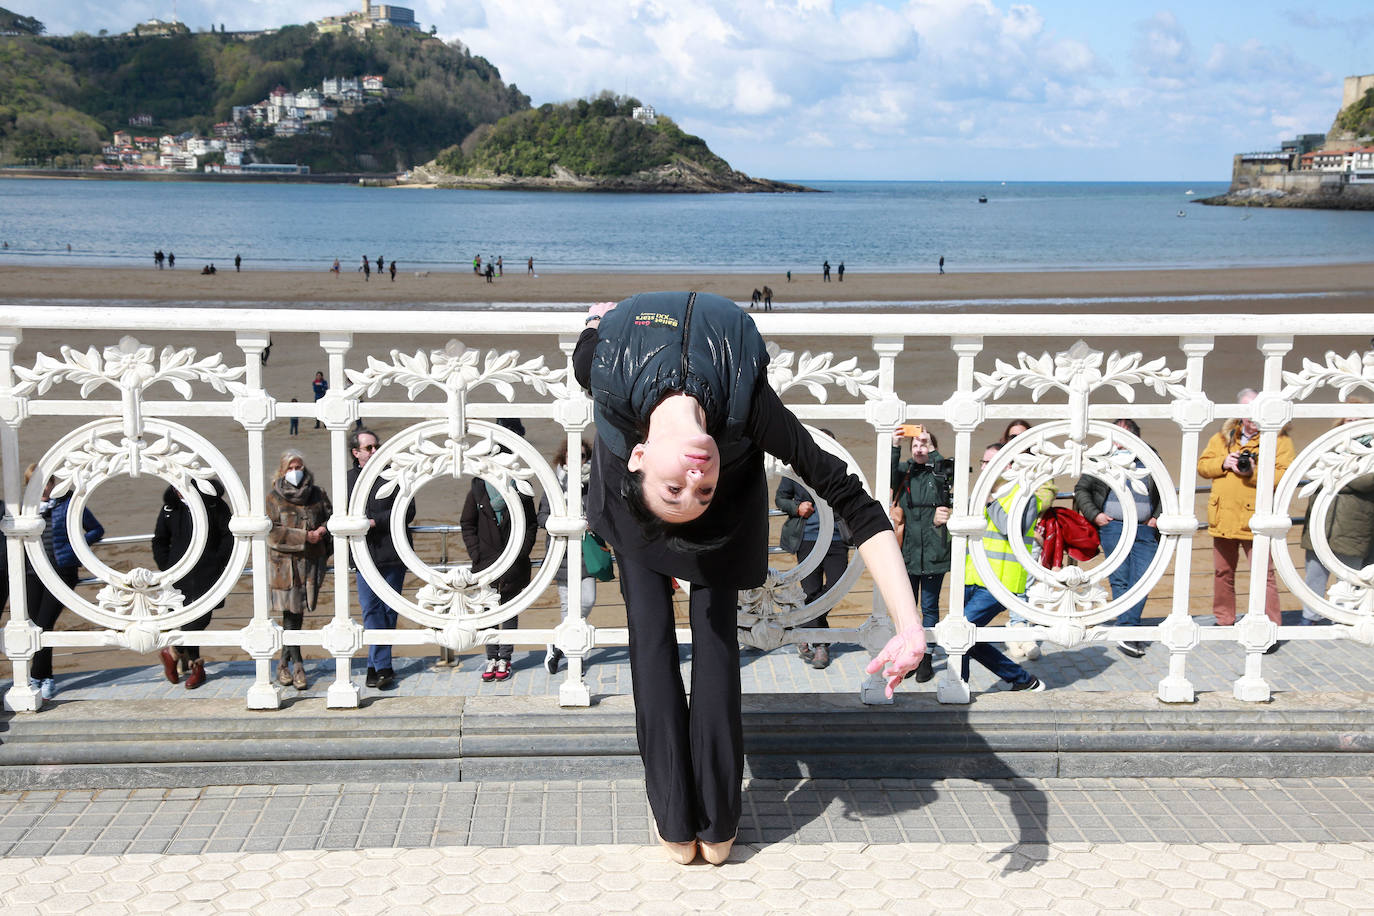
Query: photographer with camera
(919, 509)
(1229, 462)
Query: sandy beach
(926, 366)
(1354, 283)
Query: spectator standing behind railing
(1020, 650)
(1349, 530)
(486, 528)
(980, 604)
(172, 535)
(299, 545)
(800, 533)
(920, 508)
(1100, 505)
(587, 591)
(1230, 461)
(377, 614)
(44, 606)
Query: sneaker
(502, 670)
(552, 657)
(1035, 685)
(489, 673)
(1132, 649)
(386, 679)
(820, 657)
(1269, 651)
(805, 651)
(47, 688)
(371, 679)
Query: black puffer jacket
(647, 349)
(379, 544)
(485, 537)
(172, 536)
(706, 350)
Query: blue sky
(901, 89)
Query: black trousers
(820, 579)
(44, 609)
(693, 756)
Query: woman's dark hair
(1129, 425)
(655, 528)
(561, 456)
(1006, 433)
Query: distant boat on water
(1188, 193)
(982, 198)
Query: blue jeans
(980, 607)
(1138, 559)
(927, 588)
(377, 615)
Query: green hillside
(1358, 118)
(62, 97)
(587, 137)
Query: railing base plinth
(342, 695)
(574, 693)
(264, 696)
(873, 692)
(1176, 690)
(22, 699)
(1252, 690)
(949, 689)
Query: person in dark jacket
(1099, 505)
(172, 535)
(44, 606)
(486, 522)
(799, 535)
(377, 614)
(684, 414)
(920, 508)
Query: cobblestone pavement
(1313, 662)
(818, 846)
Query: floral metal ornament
(457, 593)
(138, 595)
(815, 373)
(1346, 374)
(131, 367)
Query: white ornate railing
(1071, 394)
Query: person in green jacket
(920, 508)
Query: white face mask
(294, 477)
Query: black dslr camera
(1245, 461)
(944, 479)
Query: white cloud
(1163, 52)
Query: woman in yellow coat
(1229, 461)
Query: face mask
(294, 477)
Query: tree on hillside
(13, 22)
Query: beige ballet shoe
(716, 853)
(681, 853)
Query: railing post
(342, 637)
(262, 638)
(21, 635)
(574, 636)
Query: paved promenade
(584, 845)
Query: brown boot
(196, 675)
(284, 673)
(299, 680)
(169, 664)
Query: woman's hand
(902, 653)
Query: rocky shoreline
(683, 177)
(1342, 198)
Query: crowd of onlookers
(920, 506)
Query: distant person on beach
(298, 547)
(942, 263)
(755, 299)
(678, 489)
(335, 269)
(477, 265)
(500, 266)
(789, 276)
(392, 268)
(825, 271)
(490, 271)
(172, 536)
(377, 614)
(319, 386)
(171, 259)
(238, 262)
(768, 298)
(840, 271)
(381, 264)
(366, 268)
(529, 267)
(157, 258)
(295, 424)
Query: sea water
(870, 226)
